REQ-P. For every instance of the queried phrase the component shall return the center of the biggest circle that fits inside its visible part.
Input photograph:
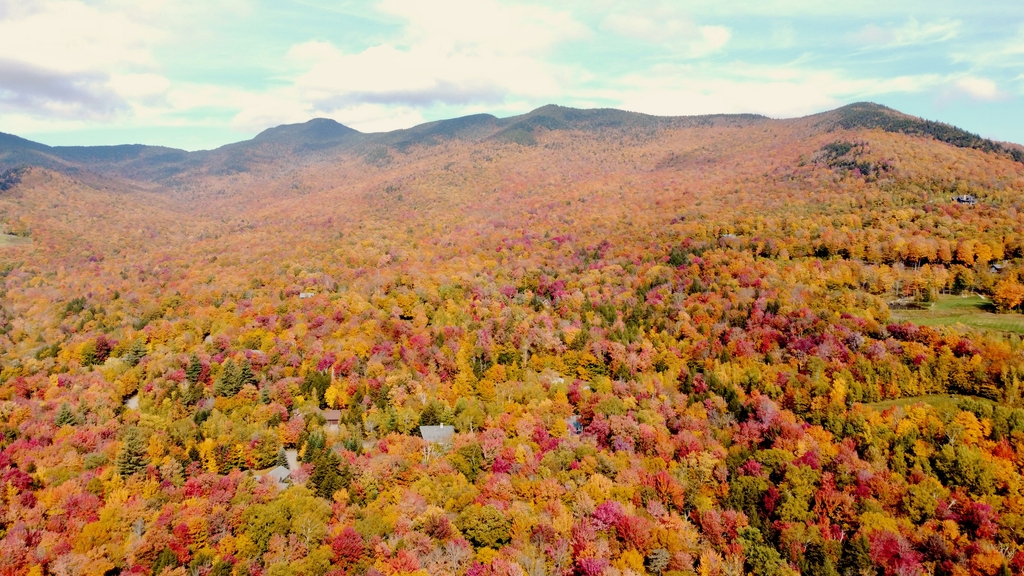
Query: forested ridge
(665, 347)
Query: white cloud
(805, 8)
(777, 100)
(484, 26)
(69, 36)
(909, 34)
(139, 86)
(462, 53)
(714, 37)
(422, 74)
(378, 117)
(777, 91)
(59, 58)
(254, 111)
(976, 88)
(21, 124)
(662, 25)
(69, 64)
(995, 53)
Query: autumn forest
(717, 345)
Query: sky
(197, 74)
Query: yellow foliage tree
(1008, 294)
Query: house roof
(332, 415)
(280, 473)
(439, 434)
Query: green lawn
(12, 240)
(971, 311)
(940, 401)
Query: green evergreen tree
(314, 446)
(433, 414)
(817, 561)
(132, 456)
(282, 458)
(136, 353)
(194, 369)
(856, 557)
(65, 417)
(228, 382)
(165, 559)
(328, 477)
(193, 394)
(316, 383)
(246, 375)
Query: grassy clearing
(939, 401)
(12, 240)
(971, 311)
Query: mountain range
(322, 138)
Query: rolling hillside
(672, 346)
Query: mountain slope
(323, 139)
(874, 116)
(666, 346)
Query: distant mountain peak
(871, 116)
(317, 130)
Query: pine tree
(66, 417)
(282, 458)
(136, 353)
(246, 376)
(817, 561)
(856, 557)
(194, 369)
(228, 383)
(193, 393)
(432, 414)
(327, 477)
(314, 446)
(165, 559)
(132, 456)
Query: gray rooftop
(439, 434)
(280, 473)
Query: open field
(12, 240)
(970, 311)
(940, 401)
